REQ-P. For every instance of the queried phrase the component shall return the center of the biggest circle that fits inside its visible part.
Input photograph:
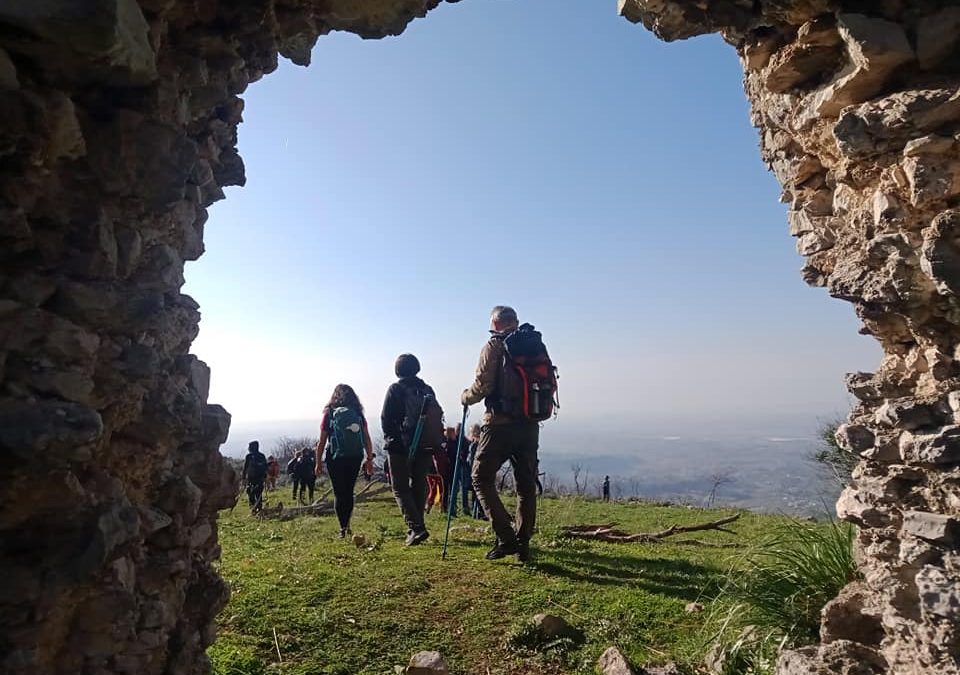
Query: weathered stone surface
(875, 48)
(937, 36)
(613, 662)
(427, 663)
(939, 594)
(850, 617)
(837, 658)
(889, 123)
(942, 447)
(101, 40)
(551, 627)
(818, 49)
(940, 254)
(669, 668)
(934, 527)
(8, 72)
(931, 179)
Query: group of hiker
(428, 462)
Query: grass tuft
(774, 594)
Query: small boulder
(669, 668)
(551, 627)
(613, 662)
(427, 663)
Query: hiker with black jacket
(511, 431)
(412, 423)
(293, 470)
(254, 475)
(306, 475)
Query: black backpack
(420, 402)
(257, 470)
(529, 378)
(307, 463)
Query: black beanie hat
(406, 365)
(253, 446)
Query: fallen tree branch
(321, 507)
(609, 532)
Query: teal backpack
(346, 434)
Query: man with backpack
(412, 423)
(517, 383)
(254, 475)
(306, 476)
(293, 470)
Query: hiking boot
(415, 538)
(523, 551)
(343, 533)
(502, 550)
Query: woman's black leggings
(343, 477)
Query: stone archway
(119, 130)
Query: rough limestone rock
(613, 662)
(550, 627)
(118, 129)
(427, 663)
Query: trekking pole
(456, 478)
(418, 431)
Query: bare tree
(718, 479)
(505, 478)
(551, 484)
(286, 446)
(577, 470)
(634, 486)
(616, 487)
(597, 490)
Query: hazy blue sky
(548, 155)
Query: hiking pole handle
(453, 487)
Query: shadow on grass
(675, 578)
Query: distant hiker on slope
(412, 423)
(471, 454)
(517, 383)
(606, 488)
(435, 494)
(273, 472)
(306, 474)
(254, 474)
(462, 480)
(293, 470)
(344, 442)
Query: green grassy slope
(339, 609)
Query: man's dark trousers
(516, 442)
(409, 481)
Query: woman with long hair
(344, 438)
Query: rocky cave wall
(858, 108)
(118, 130)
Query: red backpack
(530, 378)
